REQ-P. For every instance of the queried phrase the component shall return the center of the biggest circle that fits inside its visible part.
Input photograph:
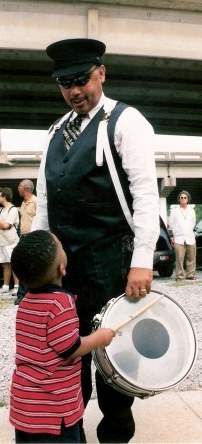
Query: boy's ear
(62, 270)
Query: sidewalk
(170, 417)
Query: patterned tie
(72, 131)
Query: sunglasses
(183, 197)
(79, 80)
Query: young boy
(46, 400)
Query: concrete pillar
(167, 186)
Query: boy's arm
(101, 337)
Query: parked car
(198, 235)
(164, 255)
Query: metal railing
(13, 157)
(178, 157)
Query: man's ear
(102, 72)
(62, 270)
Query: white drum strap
(103, 147)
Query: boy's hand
(106, 336)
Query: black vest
(82, 202)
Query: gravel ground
(187, 294)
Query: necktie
(72, 131)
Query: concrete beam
(178, 165)
(130, 30)
(18, 172)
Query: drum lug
(96, 321)
(147, 395)
(112, 378)
(98, 317)
(109, 381)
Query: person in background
(46, 403)
(9, 220)
(27, 213)
(182, 222)
(28, 206)
(77, 201)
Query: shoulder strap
(116, 112)
(110, 118)
(12, 206)
(103, 146)
(15, 224)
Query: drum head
(156, 350)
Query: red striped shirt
(46, 385)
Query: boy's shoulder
(52, 295)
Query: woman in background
(9, 220)
(182, 223)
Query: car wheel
(166, 270)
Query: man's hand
(139, 282)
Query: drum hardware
(150, 353)
(96, 321)
(98, 317)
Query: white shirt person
(182, 223)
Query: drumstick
(134, 315)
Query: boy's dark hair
(33, 256)
(7, 193)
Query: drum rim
(145, 388)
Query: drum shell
(133, 364)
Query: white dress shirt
(182, 222)
(134, 141)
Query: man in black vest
(78, 202)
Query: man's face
(21, 189)
(84, 98)
(1, 199)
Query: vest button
(62, 174)
(58, 190)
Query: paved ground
(171, 417)
(174, 417)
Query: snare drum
(151, 353)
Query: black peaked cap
(73, 56)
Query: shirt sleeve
(193, 218)
(40, 220)
(134, 141)
(63, 328)
(171, 220)
(31, 209)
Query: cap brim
(72, 70)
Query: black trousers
(21, 293)
(67, 435)
(96, 274)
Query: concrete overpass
(153, 61)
